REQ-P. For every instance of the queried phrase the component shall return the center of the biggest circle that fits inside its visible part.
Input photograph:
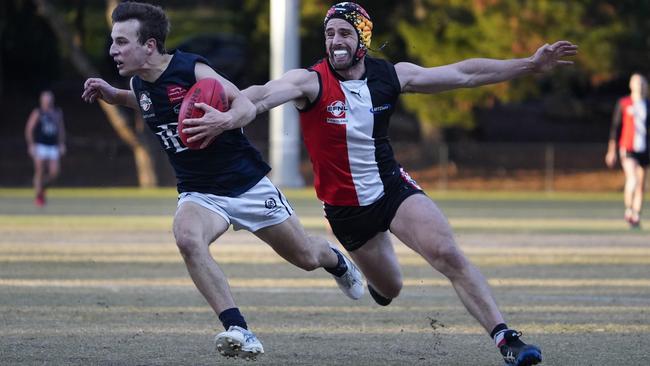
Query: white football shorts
(261, 206)
(47, 152)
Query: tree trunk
(143, 161)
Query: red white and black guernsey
(345, 130)
(631, 125)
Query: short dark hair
(153, 21)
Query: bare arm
(299, 85)
(95, 88)
(29, 127)
(476, 72)
(614, 134)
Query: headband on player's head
(354, 14)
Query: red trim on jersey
(626, 140)
(326, 142)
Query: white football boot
(238, 342)
(351, 282)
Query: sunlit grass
(308, 193)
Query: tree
(441, 32)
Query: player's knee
(448, 259)
(392, 289)
(308, 261)
(188, 243)
(631, 182)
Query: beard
(341, 64)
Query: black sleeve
(615, 130)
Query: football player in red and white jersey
(345, 102)
(630, 134)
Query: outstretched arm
(476, 72)
(96, 88)
(299, 85)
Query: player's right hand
(98, 88)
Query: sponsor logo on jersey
(380, 109)
(337, 109)
(175, 93)
(336, 112)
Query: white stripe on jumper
(361, 145)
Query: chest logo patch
(337, 109)
(145, 102)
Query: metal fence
(462, 165)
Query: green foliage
(613, 36)
(442, 31)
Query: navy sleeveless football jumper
(229, 166)
(46, 131)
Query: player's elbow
(467, 80)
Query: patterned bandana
(359, 19)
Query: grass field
(95, 279)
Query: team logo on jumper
(380, 109)
(270, 203)
(336, 111)
(145, 102)
(147, 105)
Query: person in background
(45, 136)
(629, 139)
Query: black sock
(497, 334)
(232, 316)
(340, 267)
(497, 329)
(379, 299)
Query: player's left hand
(548, 56)
(207, 128)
